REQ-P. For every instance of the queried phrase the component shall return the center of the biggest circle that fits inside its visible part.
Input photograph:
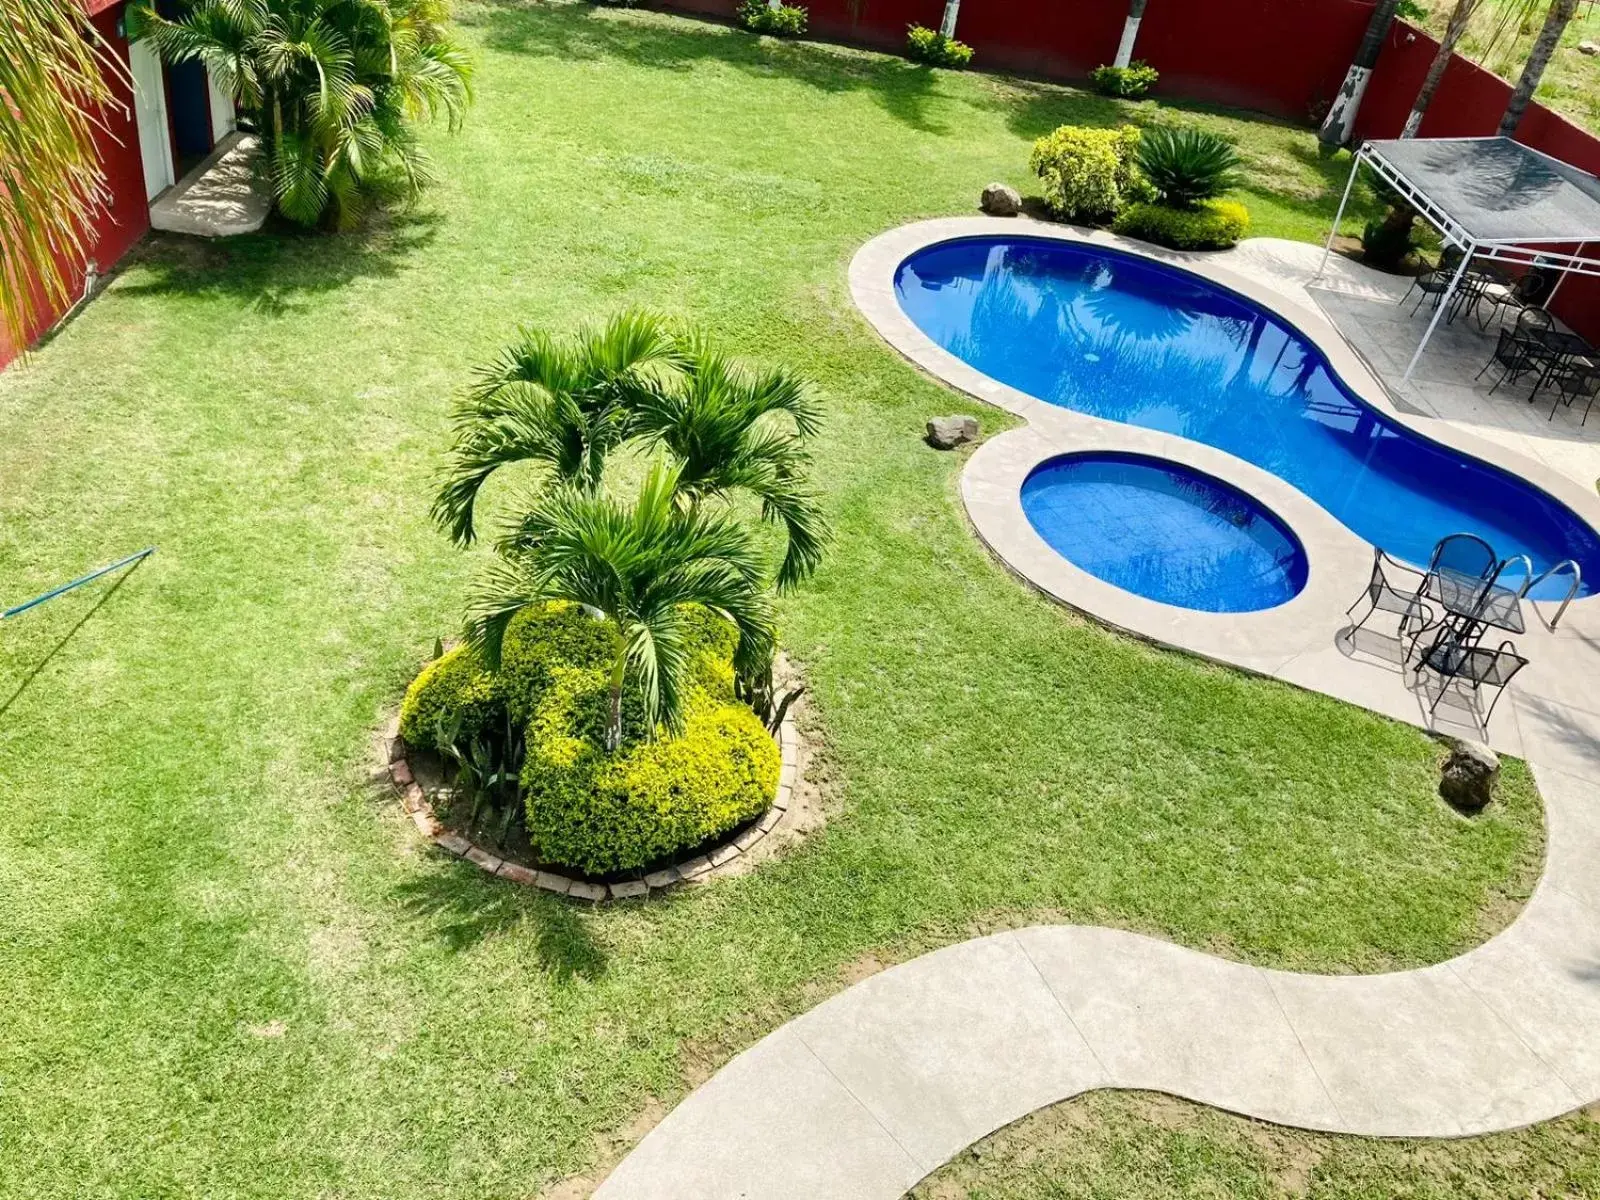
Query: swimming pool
(1124, 338)
(1163, 531)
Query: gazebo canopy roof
(1492, 191)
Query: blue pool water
(1127, 339)
(1163, 531)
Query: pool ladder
(1531, 581)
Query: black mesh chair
(1577, 379)
(1527, 292)
(1394, 588)
(1455, 657)
(1432, 284)
(1534, 323)
(1516, 354)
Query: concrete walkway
(874, 1089)
(221, 197)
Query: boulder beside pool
(946, 433)
(999, 200)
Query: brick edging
(701, 867)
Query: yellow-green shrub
(455, 684)
(543, 637)
(1215, 225)
(1089, 174)
(603, 812)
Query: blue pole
(76, 583)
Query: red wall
(127, 215)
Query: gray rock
(1000, 200)
(1470, 774)
(1589, 48)
(946, 433)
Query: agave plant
(56, 76)
(565, 404)
(1187, 165)
(331, 86)
(636, 566)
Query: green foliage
(786, 20)
(544, 637)
(1126, 83)
(1214, 225)
(601, 812)
(1385, 243)
(332, 87)
(455, 695)
(1186, 165)
(932, 47)
(1089, 174)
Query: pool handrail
(1548, 572)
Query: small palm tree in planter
(631, 640)
(637, 567)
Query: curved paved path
(872, 1090)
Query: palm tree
(1460, 17)
(56, 78)
(947, 27)
(331, 86)
(715, 421)
(1130, 33)
(1341, 117)
(636, 566)
(563, 403)
(1555, 24)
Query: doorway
(150, 112)
(189, 92)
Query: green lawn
(227, 968)
(1110, 1145)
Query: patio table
(1477, 601)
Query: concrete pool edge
(1294, 642)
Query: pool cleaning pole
(19, 609)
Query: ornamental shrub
(602, 813)
(543, 637)
(1089, 174)
(1214, 225)
(1126, 83)
(1187, 165)
(786, 20)
(932, 47)
(453, 685)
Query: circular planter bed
(419, 778)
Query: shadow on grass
(277, 271)
(580, 33)
(38, 668)
(466, 906)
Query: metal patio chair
(1458, 658)
(1384, 593)
(1516, 354)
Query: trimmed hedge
(454, 684)
(1215, 225)
(932, 47)
(586, 809)
(602, 813)
(787, 20)
(1126, 83)
(1089, 174)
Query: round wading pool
(1162, 531)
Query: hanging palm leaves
(333, 88)
(55, 80)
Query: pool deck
(875, 1088)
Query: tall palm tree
(563, 403)
(1341, 117)
(56, 79)
(716, 419)
(1130, 33)
(947, 27)
(331, 86)
(636, 565)
(1555, 24)
(1460, 18)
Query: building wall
(127, 215)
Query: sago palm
(729, 430)
(562, 403)
(331, 86)
(55, 81)
(636, 565)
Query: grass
(1501, 36)
(1114, 1144)
(226, 965)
